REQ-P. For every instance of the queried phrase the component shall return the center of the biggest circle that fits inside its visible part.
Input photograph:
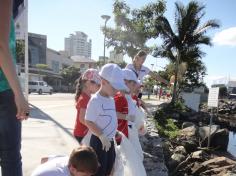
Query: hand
(106, 144)
(130, 118)
(22, 107)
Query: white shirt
(101, 110)
(141, 73)
(57, 166)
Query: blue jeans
(10, 136)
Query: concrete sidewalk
(47, 132)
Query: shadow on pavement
(36, 113)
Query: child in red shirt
(87, 84)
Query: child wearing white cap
(124, 103)
(101, 118)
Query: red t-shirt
(138, 102)
(82, 102)
(122, 107)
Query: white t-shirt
(141, 73)
(101, 110)
(57, 166)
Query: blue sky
(58, 20)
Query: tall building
(78, 45)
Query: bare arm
(82, 115)
(93, 128)
(6, 62)
(159, 78)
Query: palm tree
(183, 43)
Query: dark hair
(79, 87)
(84, 159)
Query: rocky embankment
(153, 153)
(187, 154)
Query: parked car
(40, 87)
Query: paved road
(49, 130)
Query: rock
(200, 155)
(190, 145)
(178, 157)
(189, 131)
(180, 150)
(217, 164)
(175, 160)
(187, 124)
(204, 131)
(219, 137)
(220, 140)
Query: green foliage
(20, 51)
(70, 75)
(178, 106)
(133, 27)
(183, 44)
(42, 66)
(168, 129)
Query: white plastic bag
(86, 139)
(139, 122)
(134, 140)
(131, 163)
(118, 166)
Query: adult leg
(10, 136)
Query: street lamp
(106, 18)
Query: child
(82, 161)
(88, 84)
(124, 103)
(101, 118)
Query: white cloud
(226, 37)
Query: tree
(70, 75)
(20, 51)
(133, 27)
(183, 44)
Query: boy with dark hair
(82, 162)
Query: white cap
(129, 75)
(114, 75)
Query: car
(40, 87)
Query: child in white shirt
(101, 118)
